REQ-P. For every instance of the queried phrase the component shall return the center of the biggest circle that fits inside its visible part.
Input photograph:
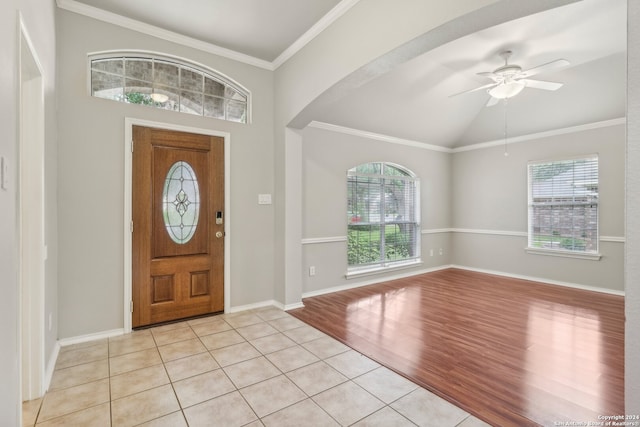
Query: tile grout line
(282, 373)
(227, 376)
(175, 394)
(298, 343)
(307, 396)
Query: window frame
(181, 63)
(593, 254)
(383, 265)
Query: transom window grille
(563, 205)
(383, 216)
(168, 84)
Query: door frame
(129, 122)
(31, 217)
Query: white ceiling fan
(509, 80)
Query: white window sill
(565, 254)
(360, 272)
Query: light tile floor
(255, 368)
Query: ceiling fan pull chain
(506, 153)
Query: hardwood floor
(511, 352)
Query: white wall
(38, 18)
(490, 193)
(91, 177)
(481, 194)
(632, 256)
(326, 158)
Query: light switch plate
(264, 199)
(4, 173)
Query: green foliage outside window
(364, 244)
(140, 98)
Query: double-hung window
(383, 217)
(563, 206)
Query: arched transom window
(168, 83)
(383, 216)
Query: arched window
(383, 216)
(168, 83)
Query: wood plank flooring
(511, 352)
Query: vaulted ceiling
(413, 101)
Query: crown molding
(394, 140)
(378, 136)
(141, 27)
(152, 30)
(539, 135)
(324, 22)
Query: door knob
(219, 234)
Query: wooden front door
(178, 225)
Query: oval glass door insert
(181, 202)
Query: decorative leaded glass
(181, 202)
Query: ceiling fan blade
(541, 84)
(492, 101)
(487, 86)
(553, 65)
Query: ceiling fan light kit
(506, 90)
(509, 80)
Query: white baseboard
(462, 267)
(293, 306)
(53, 358)
(269, 303)
(51, 366)
(116, 332)
(372, 281)
(253, 306)
(90, 337)
(542, 280)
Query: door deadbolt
(219, 234)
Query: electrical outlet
(312, 270)
(440, 251)
(431, 252)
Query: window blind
(382, 215)
(563, 205)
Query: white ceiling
(412, 102)
(259, 28)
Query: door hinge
(131, 226)
(131, 306)
(132, 145)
